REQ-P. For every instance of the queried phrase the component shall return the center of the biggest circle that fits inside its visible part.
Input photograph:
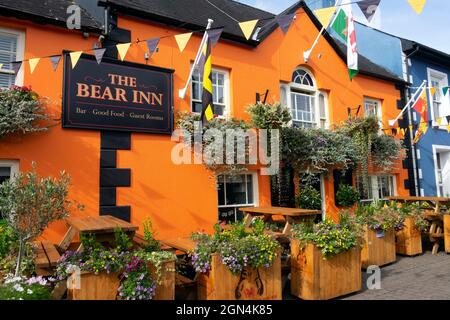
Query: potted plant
(326, 259)
(409, 237)
(346, 196)
(237, 264)
(380, 222)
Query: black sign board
(119, 96)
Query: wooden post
(447, 233)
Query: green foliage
(346, 196)
(122, 240)
(309, 198)
(6, 239)
(329, 237)
(380, 216)
(20, 111)
(385, 150)
(149, 236)
(269, 116)
(19, 288)
(237, 247)
(316, 149)
(414, 211)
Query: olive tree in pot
(29, 203)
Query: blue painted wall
(434, 136)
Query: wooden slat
(411, 198)
(67, 240)
(182, 244)
(51, 252)
(295, 212)
(101, 224)
(41, 260)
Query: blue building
(318, 4)
(433, 148)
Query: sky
(431, 27)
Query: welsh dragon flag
(344, 25)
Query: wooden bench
(46, 257)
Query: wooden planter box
(253, 284)
(408, 241)
(447, 233)
(314, 278)
(90, 286)
(165, 290)
(378, 251)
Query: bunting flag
(368, 8)
(207, 97)
(247, 27)
(16, 65)
(325, 15)
(421, 105)
(439, 121)
(182, 40)
(423, 127)
(432, 91)
(55, 61)
(448, 128)
(74, 57)
(98, 53)
(410, 127)
(445, 90)
(284, 21)
(1, 66)
(403, 132)
(152, 45)
(394, 131)
(214, 36)
(448, 119)
(122, 49)
(33, 63)
(417, 5)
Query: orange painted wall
(179, 199)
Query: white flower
(29, 291)
(18, 288)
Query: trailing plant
(385, 150)
(29, 203)
(237, 247)
(269, 116)
(329, 237)
(414, 211)
(21, 288)
(309, 198)
(316, 150)
(215, 151)
(346, 196)
(20, 111)
(380, 216)
(158, 260)
(137, 281)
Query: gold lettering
(83, 90)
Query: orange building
(131, 175)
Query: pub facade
(111, 123)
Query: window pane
(6, 80)
(221, 190)
(227, 215)
(322, 106)
(218, 109)
(220, 95)
(221, 79)
(196, 107)
(236, 190)
(250, 188)
(196, 91)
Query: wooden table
(291, 215)
(183, 244)
(103, 227)
(438, 205)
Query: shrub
(309, 198)
(269, 116)
(20, 111)
(346, 196)
(6, 239)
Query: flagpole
(182, 92)
(307, 54)
(413, 99)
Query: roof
(46, 12)
(195, 15)
(426, 52)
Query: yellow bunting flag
(417, 5)
(1, 66)
(33, 63)
(325, 15)
(432, 91)
(423, 127)
(247, 27)
(74, 57)
(439, 121)
(448, 128)
(123, 49)
(410, 128)
(182, 40)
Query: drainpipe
(410, 122)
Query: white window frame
(438, 149)
(373, 180)
(255, 194)
(20, 51)
(443, 79)
(226, 92)
(295, 88)
(12, 164)
(379, 110)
